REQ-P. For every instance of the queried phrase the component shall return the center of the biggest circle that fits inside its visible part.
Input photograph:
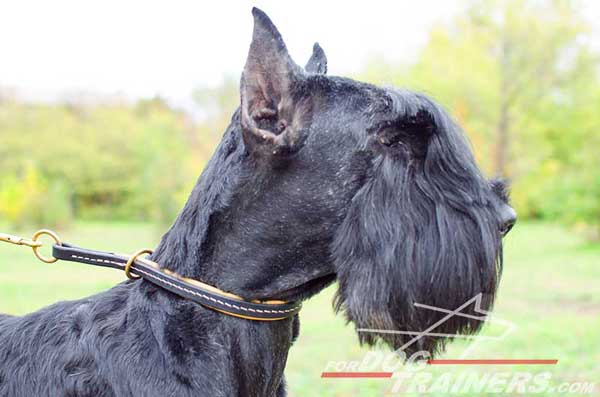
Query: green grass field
(550, 290)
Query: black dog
(317, 179)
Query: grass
(550, 290)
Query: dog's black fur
(317, 178)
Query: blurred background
(109, 110)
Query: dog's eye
(411, 132)
(504, 229)
(385, 132)
(380, 126)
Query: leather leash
(135, 266)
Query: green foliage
(117, 161)
(33, 200)
(573, 192)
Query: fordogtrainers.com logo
(420, 374)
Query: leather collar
(211, 297)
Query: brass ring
(37, 247)
(132, 259)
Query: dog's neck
(223, 238)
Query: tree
(534, 45)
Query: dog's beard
(398, 250)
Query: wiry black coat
(317, 178)
(139, 340)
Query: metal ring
(37, 235)
(132, 259)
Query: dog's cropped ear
(317, 64)
(274, 110)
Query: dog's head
(375, 186)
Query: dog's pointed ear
(274, 110)
(317, 63)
